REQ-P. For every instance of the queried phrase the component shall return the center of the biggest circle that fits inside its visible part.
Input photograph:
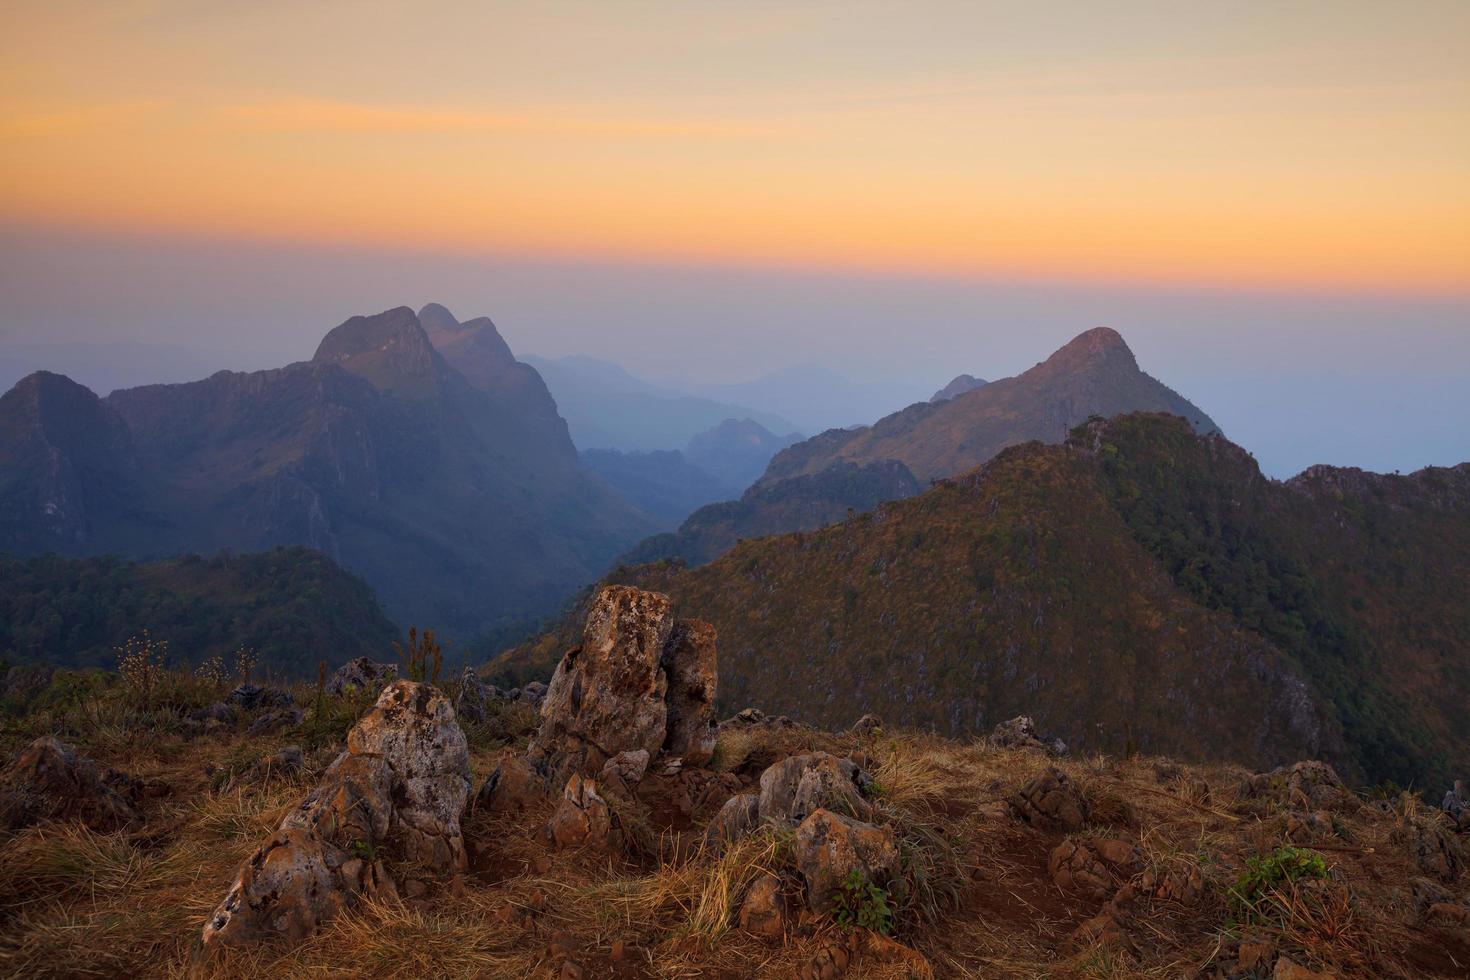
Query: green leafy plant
(1263, 875)
(863, 905)
(365, 850)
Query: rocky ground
(607, 826)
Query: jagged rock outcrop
(1309, 785)
(829, 847)
(398, 791)
(690, 661)
(1021, 733)
(639, 682)
(361, 674)
(48, 781)
(1456, 806)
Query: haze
(1269, 201)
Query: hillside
(1140, 584)
(293, 606)
(1094, 374)
(458, 496)
(663, 484)
(737, 451)
(802, 503)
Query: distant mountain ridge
(1140, 584)
(608, 408)
(1093, 374)
(958, 386)
(453, 488)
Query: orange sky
(1292, 144)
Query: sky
(1271, 201)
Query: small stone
(511, 788)
(1446, 914)
(1253, 955)
(581, 819)
(763, 913)
(276, 720)
(1075, 868)
(1286, 969)
(624, 771)
(1051, 801)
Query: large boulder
(607, 695)
(690, 662)
(801, 784)
(48, 781)
(829, 848)
(397, 792)
(361, 674)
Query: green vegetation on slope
(292, 605)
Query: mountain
(293, 606)
(458, 496)
(1139, 585)
(608, 408)
(816, 397)
(737, 451)
(663, 484)
(803, 503)
(961, 384)
(1094, 374)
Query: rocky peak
(1098, 348)
(58, 409)
(436, 318)
(389, 349)
(961, 384)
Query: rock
(1076, 868)
(607, 695)
(1303, 785)
(1436, 849)
(48, 781)
(867, 725)
(399, 788)
(1456, 806)
(512, 787)
(763, 912)
(624, 771)
(738, 817)
(801, 784)
(279, 763)
(1020, 733)
(1051, 801)
(224, 714)
(24, 681)
(275, 720)
(1183, 887)
(1118, 854)
(469, 705)
(533, 694)
(1447, 914)
(829, 847)
(1288, 970)
(1254, 955)
(689, 661)
(581, 819)
(744, 718)
(252, 696)
(362, 674)
(1102, 929)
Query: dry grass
(979, 899)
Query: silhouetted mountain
(459, 498)
(1094, 374)
(608, 408)
(662, 484)
(293, 606)
(1140, 584)
(803, 503)
(961, 384)
(736, 451)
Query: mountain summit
(1093, 374)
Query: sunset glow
(1283, 147)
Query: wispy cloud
(19, 122)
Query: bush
(1264, 875)
(863, 905)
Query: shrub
(863, 905)
(1265, 874)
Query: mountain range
(1140, 586)
(820, 479)
(423, 457)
